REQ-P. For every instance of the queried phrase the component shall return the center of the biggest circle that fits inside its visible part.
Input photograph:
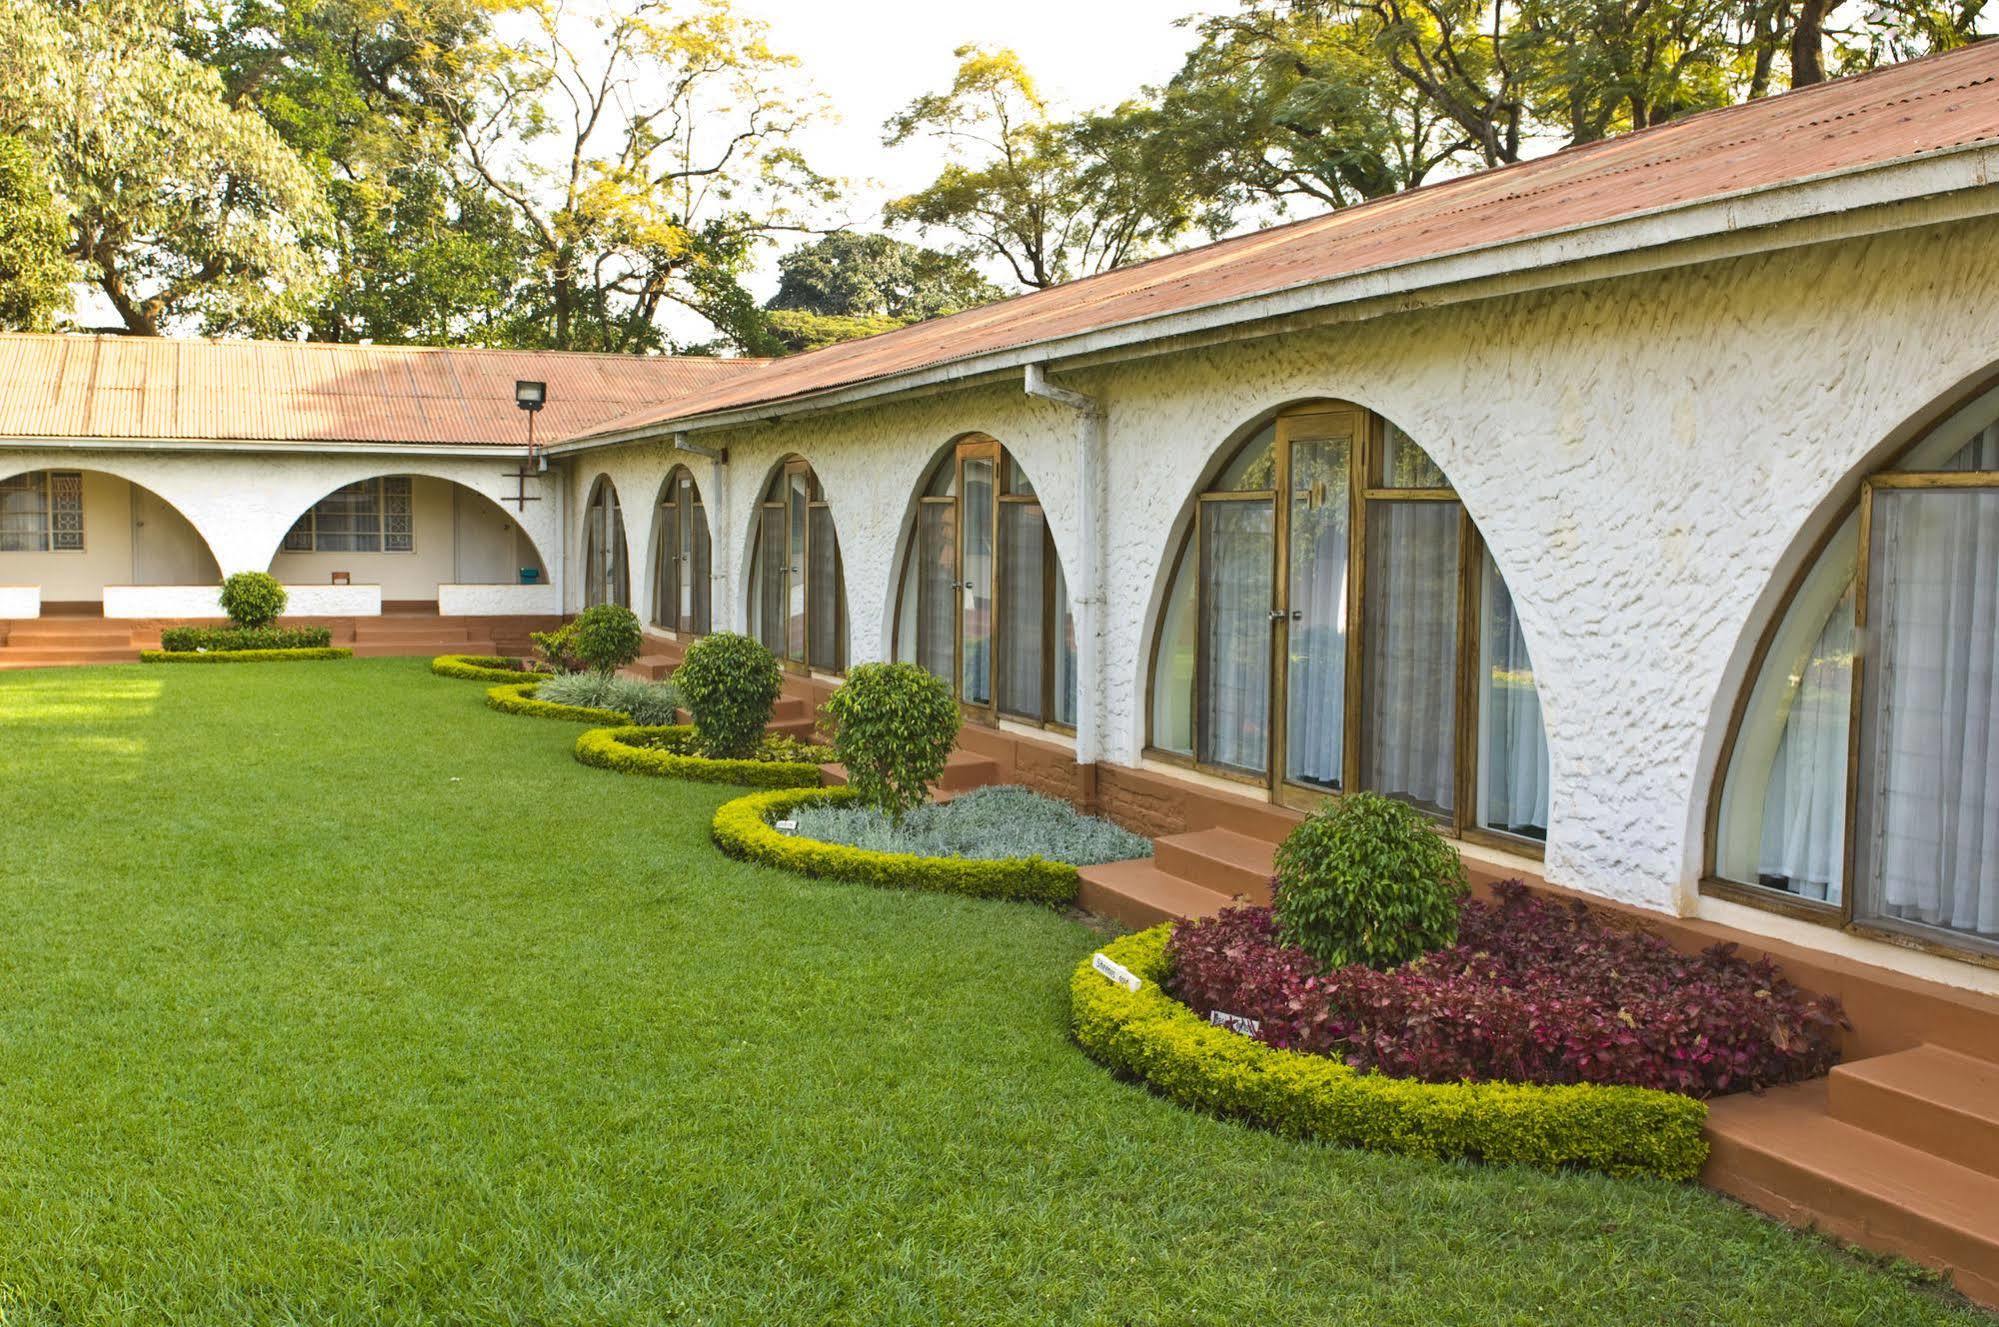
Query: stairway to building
(419, 633)
(963, 771)
(1896, 1152)
(1195, 874)
(67, 639)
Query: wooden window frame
(44, 484)
(1365, 489)
(309, 521)
(776, 498)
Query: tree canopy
(35, 266)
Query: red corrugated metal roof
(145, 388)
(1923, 106)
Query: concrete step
(1139, 894)
(1926, 1097)
(963, 771)
(389, 630)
(789, 708)
(387, 649)
(64, 637)
(1785, 1153)
(1222, 860)
(48, 656)
(651, 667)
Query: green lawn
(327, 995)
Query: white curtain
(1804, 803)
(1316, 689)
(1412, 650)
(1929, 785)
(1235, 629)
(1513, 770)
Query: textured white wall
(1646, 457)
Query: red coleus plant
(1533, 991)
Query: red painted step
(1938, 1100)
(1230, 864)
(1139, 894)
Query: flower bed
(486, 668)
(518, 698)
(1625, 1131)
(242, 656)
(989, 823)
(672, 752)
(1533, 991)
(743, 828)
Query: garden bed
(487, 668)
(986, 824)
(1153, 1037)
(243, 656)
(672, 751)
(519, 698)
(743, 828)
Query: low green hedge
(243, 656)
(742, 828)
(181, 640)
(1625, 1131)
(483, 668)
(518, 698)
(617, 749)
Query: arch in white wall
(681, 554)
(56, 513)
(794, 580)
(409, 531)
(607, 573)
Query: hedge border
(301, 654)
(610, 748)
(484, 668)
(1147, 1034)
(742, 828)
(518, 698)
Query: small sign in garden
(1115, 971)
(1249, 1027)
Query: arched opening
(607, 576)
(1859, 783)
(411, 535)
(797, 590)
(1334, 621)
(71, 533)
(682, 557)
(982, 601)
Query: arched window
(1334, 621)
(983, 602)
(798, 602)
(1860, 783)
(606, 578)
(682, 557)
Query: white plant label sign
(1115, 971)
(1249, 1027)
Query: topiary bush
(1367, 880)
(606, 637)
(181, 640)
(895, 724)
(729, 684)
(558, 648)
(253, 598)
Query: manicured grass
(328, 995)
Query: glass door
(1315, 457)
(976, 519)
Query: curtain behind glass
(1065, 657)
(1316, 680)
(1929, 793)
(1173, 664)
(704, 572)
(666, 567)
(1412, 629)
(771, 582)
(1235, 633)
(825, 582)
(1023, 595)
(976, 566)
(796, 576)
(1513, 744)
(936, 589)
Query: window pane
(1065, 657)
(349, 519)
(975, 684)
(66, 511)
(1512, 744)
(398, 522)
(1405, 465)
(1024, 595)
(936, 589)
(1783, 809)
(24, 520)
(1173, 665)
(825, 592)
(666, 568)
(1412, 644)
(1235, 633)
(771, 565)
(797, 495)
(702, 603)
(1016, 479)
(1316, 685)
(1929, 772)
(1254, 468)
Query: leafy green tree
(642, 168)
(797, 331)
(35, 269)
(1051, 199)
(182, 206)
(854, 275)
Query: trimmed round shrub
(558, 648)
(607, 637)
(895, 725)
(1367, 880)
(729, 684)
(253, 598)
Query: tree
(641, 173)
(418, 249)
(1050, 199)
(35, 267)
(877, 276)
(181, 206)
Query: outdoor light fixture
(530, 395)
